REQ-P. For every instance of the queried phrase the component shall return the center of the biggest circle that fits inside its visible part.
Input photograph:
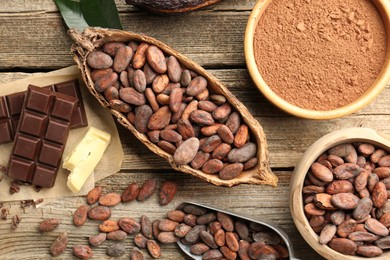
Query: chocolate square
(26, 146)
(3, 108)
(33, 124)
(20, 169)
(15, 103)
(63, 107)
(51, 153)
(6, 131)
(44, 176)
(39, 101)
(57, 131)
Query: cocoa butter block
(41, 136)
(11, 108)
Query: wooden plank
(40, 40)
(256, 201)
(11, 6)
(288, 137)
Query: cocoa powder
(320, 54)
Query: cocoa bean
(317, 221)
(167, 237)
(170, 136)
(185, 78)
(99, 60)
(186, 152)
(185, 129)
(361, 180)
(346, 227)
(109, 226)
(131, 117)
(384, 161)
(130, 193)
(382, 172)
(156, 59)
(212, 254)
(269, 238)
(311, 209)
(167, 192)
(150, 74)
(167, 146)
(147, 189)
(347, 151)
(359, 236)
(156, 230)
(210, 130)
(226, 221)
(383, 243)
(214, 227)
(146, 227)
(80, 215)
(321, 172)
(343, 245)
(160, 83)
(175, 99)
(111, 47)
(312, 189)
(104, 82)
(98, 239)
(242, 154)
(182, 230)
(385, 219)
(222, 113)
(129, 225)
(174, 70)
(59, 245)
(140, 240)
(221, 151)
(110, 199)
(346, 171)
(201, 117)
(82, 251)
(122, 58)
(199, 248)
(160, 119)
(98, 73)
(139, 58)
(176, 215)
(212, 166)
(254, 249)
(195, 210)
(243, 251)
(250, 163)
(231, 171)
(241, 136)
(379, 195)
(327, 234)
(193, 235)
(119, 106)
(363, 209)
(220, 237)
(323, 201)
(345, 201)
(116, 250)
(369, 251)
(227, 253)
(207, 106)
(112, 93)
(226, 134)
(196, 86)
(206, 218)
(138, 81)
(376, 227)
(339, 186)
(117, 235)
(208, 239)
(167, 225)
(190, 220)
(177, 115)
(132, 96)
(191, 107)
(49, 224)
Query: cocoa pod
(169, 7)
(80, 215)
(59, 245)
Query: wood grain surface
(34, 40)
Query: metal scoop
(276, 228)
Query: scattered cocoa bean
(49, 224)
(94, 195)
(98, 239)
(116, 250)
(82, 251)
(59, 244)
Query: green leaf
(102, 13)
(71, 12)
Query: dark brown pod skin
(171, 7)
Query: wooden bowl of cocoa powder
(300, 181)
(319, 59)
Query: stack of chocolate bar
(39, 121)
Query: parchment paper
(97, 117)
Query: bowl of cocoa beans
(340, 195)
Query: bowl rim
(367, 97)
(346, 135)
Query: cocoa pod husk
(93, 38)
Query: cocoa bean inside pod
(187, 90)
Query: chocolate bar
(11, 107)
(41, 135)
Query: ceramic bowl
(383, 7)
(348, 135)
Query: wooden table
(33, 39)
